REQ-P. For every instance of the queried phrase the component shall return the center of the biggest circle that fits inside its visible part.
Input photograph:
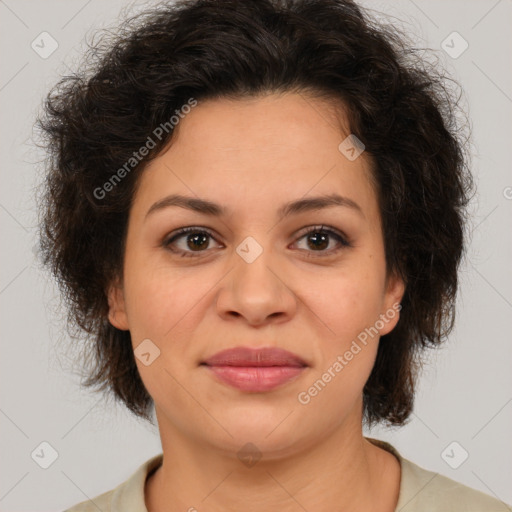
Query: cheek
(160, 301)
(350, 302)
(347, 355)
(166, 309)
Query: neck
(343, 472)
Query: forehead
(264, 123)
(275, 148)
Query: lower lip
(256, 378)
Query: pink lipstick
(255, 370)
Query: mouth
(255, 370)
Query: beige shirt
(420, 491)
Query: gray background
(465, 394)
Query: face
(309, 279)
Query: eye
(196, 240)
(318, 238)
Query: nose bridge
(255, 273)
(256, 289)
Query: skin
(252, 156)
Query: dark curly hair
(134, 79)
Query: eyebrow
(206, 207)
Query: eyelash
(315, 229)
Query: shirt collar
(130, 495)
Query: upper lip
(245, 356)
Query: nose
(257, 291)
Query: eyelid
(342, 239)
(322, 228)
(188, 229)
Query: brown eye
(319, 238)
(195, 240)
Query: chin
(275, 433)
(250, 445)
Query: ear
(395, 288)
(117, 307)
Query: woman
(256, 212)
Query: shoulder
(126, 497)
(102, 502)
(422, 490)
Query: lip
(255, 370)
